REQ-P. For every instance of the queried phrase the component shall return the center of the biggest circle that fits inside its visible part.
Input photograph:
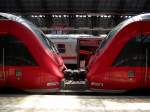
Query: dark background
(76, 16)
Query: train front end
(29, 60)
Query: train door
(87, 47)
(146, 44)
(128, 70)
(2, 63)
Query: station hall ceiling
(75, 6)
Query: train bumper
(41, 90)
(98, 87)
(107, 91)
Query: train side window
(133, 54)
(61, 48)
(13, 52)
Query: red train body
(122, 61)
(28, 60)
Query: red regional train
(122, 61)
(28, 59)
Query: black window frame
(135, 52)
(61, 48)
(12, 46)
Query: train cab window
(133, 54)
(40, 35)
(112, 34)
(61, 48)
(13, 52)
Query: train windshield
(109, 36)
(47, 42)
(113, 32)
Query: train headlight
(53, 83)
(96, 84)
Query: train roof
(10, 16)
(119, 27)
(141, 17)
(18, 19)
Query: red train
(122, 61)
(28, 59)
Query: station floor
(72, 103)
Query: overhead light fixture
(59, 16)
(109, 16)
(80, 16)
(105, 16)
(84, 16)
(101, 16)
(64, 15)
(32, 16)
(89, 15)
(77, 15)
(56, 16)
(40, 16)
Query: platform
(61, 103)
